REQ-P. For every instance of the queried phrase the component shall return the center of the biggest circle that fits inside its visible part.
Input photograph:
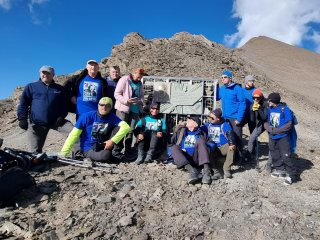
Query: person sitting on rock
(221, 141)
(189, 151)
(149, 132)
(100, 132)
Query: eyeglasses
(224, 77)
(104, 105)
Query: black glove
(59, 122)
(23, 124)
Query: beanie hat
(274, 97)
(227, 73)
(195, 118)
(248, 78)
(257, 93)
(106, 100)
(154, 105)
(217, 112)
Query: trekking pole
(257, 143)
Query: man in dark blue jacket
(233, 106)
(44, 103)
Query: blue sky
(66, 33)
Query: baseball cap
(217, 112)
(92, 61)
(106, 100)
(47, 69)
(195, 118)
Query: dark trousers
(281, 155)
(97, 153)
(238, 135)
(200, 155)
(131, 118)
(149, 144)
(247, 120)
(37, 134)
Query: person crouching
(189, 151)
(221, 141)
(149, 132)
(99, 131)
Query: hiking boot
(140, 158)
(194, 176)
(206, 176)
(227, 174)
(278, 174)
(148, 159)
(216, 174)
(287, 181)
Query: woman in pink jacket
(129, 97)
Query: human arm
(122, 132)
(119, 91)
(242, 104)
(71, 140)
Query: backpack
(293, 136)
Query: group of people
(110, 124)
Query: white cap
(92, 61)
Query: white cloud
(289, 21)
(6, 4)
(34, 14)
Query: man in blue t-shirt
(221, 142)
(86, 89)
(189, 151)
(150, 132)
(278, 125)
(99, 132)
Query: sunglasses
(154, 108)
(209, 117)
(257, 98)
(104, 105)
(224, 77)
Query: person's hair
(116, 67)
(138, 70)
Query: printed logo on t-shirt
(190, 141)
(90, 91)
(99, 130)
(275, 119)
(152, 126)
(214, 134)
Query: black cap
(217, 112)
(274, 97)
(154, 105)
(195, 118)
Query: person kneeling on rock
(189, 151)
(149, 132)
(221, 141)
(100, 132)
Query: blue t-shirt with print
(216, 132)
(136, 90)
(277, 117)
(89, 95)
(153, 124)
(93, 126)
(189, 141)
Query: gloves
(23, 124)
(59, 122)
(255, 106)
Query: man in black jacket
(43, 102)
(86, 89)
